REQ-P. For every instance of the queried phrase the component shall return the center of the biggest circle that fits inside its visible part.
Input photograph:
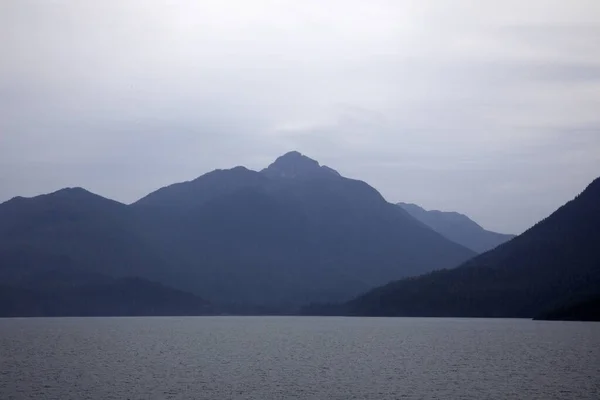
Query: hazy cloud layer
(484, 107)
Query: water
(303, 358)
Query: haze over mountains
(293, 233)
(458, 227)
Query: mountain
(587, 310)
(554, 264)
(458, 227)
(65, 292)
(292, 233)
(74, 228)
(294, 165)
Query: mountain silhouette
(74, 228)
(295, 165)
(458, 227)
(552, 266)
(293, 233)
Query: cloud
(483, 107)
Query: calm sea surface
(297, 358)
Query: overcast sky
(490, 108)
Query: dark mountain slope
(294, 232)
(67, 292)
(458, 227)
(556, 262)
(74, 228)
(587, 310)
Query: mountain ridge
(458, 227)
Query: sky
(489, 108)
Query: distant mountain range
(458, 227)
(293, 233)
(296, 233)
(550, 271)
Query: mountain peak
(65, 193)
(73, 191)
(76, 194)
(295, 160)
(294, 164)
